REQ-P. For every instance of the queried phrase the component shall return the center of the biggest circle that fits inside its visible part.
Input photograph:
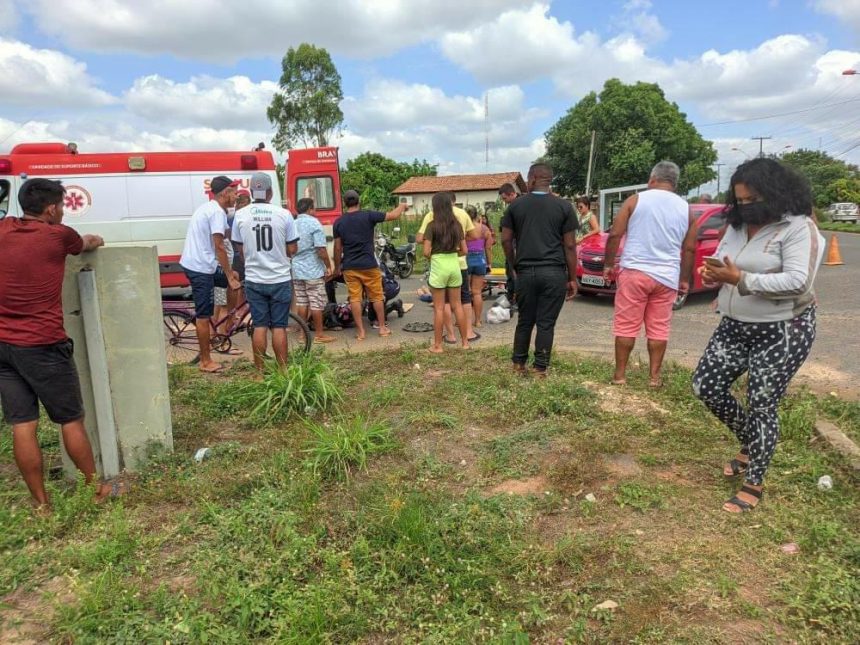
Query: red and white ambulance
(147, 198)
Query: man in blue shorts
(205, 261)
(266, 235)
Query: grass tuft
(340, 447)
(304, 387)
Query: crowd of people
(765, 267)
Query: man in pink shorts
(658, 225)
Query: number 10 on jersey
(265, 241)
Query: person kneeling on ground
(36, 364)
(266, 235)
(311, 268)
(444, 243)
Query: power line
(776, 116)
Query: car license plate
(593, 280)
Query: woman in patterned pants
(766, 264)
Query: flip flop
(325, 339)
(477, 336)
(450, 342)
(418, 327)
(220, 368)
(117, 489)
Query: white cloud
(220, 31)
(45, 78)
(845, 10)
(784, 73)
(637, 13)
(530, 42)
(235, 102)
(9, 17)
(416, 120)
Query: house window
(319, 189)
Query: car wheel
(680, 300)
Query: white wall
(421, 203)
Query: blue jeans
(270, 303)
(201, 290)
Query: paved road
(585, 324)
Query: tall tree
(307, 109)
(636, 127)
(374, 176)
(831, 179)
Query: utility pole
(761, 141)
(487, 130)
(590, 160)
(718, 165)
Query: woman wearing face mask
(766, 264)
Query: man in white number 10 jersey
(266, 235)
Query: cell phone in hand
(714, 261)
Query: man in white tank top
(659, 226)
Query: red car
(589, 268)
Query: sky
(123, 75)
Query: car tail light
(5, 167)
(249, 162)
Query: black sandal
(738, 467)
(741, 504)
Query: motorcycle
(400, 260)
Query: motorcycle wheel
(406, 268)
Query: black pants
(510, 283)
(540, 296)
(771, 353)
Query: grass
(342, 446)
(385, 516)
(304, 387)
(839, 227)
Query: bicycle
(180, 331)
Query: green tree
(636, 127)
(829, 177)
(307, 109)
(374, 176)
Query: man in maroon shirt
(35, 354)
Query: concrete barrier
(112, 310)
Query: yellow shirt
(465, 221)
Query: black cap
(221, 182)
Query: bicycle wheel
(180, 337)
(299, 335)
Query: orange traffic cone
(834, 257)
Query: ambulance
(147, 198)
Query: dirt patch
(536, 485)
(675, 477)
(434, 374)
(24, 615)
(619, 399)
(623, 465)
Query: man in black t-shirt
(355, 260)
(539, 238)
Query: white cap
(260, 186)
